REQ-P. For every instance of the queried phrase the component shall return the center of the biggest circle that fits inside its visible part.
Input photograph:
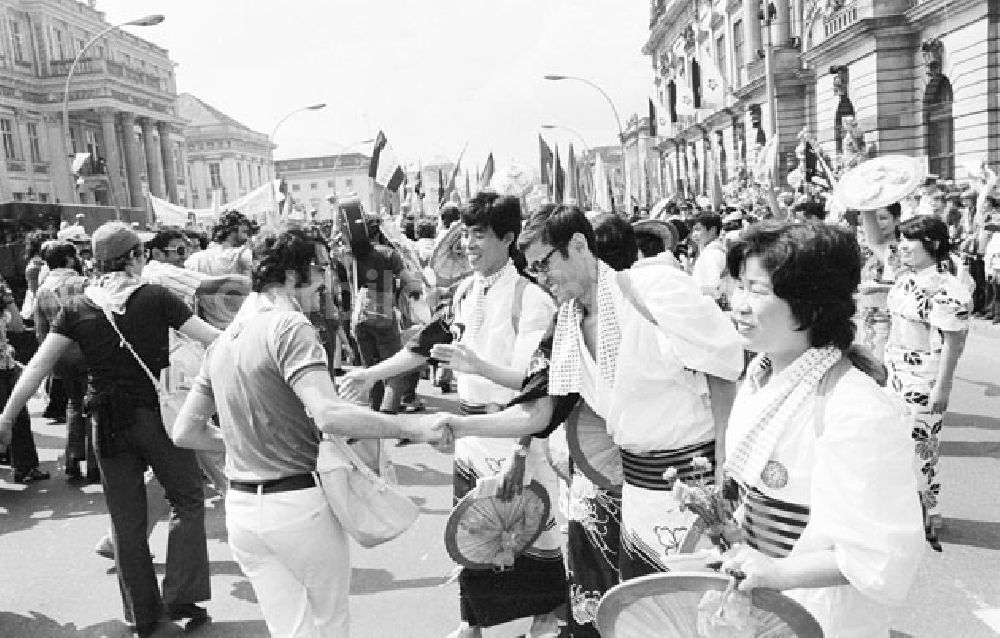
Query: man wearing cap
(128, 430)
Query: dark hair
(810, 209)
(500, 213)
(649, 244)
(161, 240)
(895, 209)
(118, 264)
(708, 221)
(932, 233)
(426, 229)
(616, 241)
(815, 268)
(57, 253)
(450, 214)
(410, 228)
(277, 254)
(33, 243)
(197, 236)
(229, 223)
(555, 225)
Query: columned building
(310, 181)
(121, 106)
(225, 159)
(915, 77)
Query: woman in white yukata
(822, 455)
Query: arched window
(696, 83)
(672, 101)
(844, 109)
(940, 127)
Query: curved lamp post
(145, 21)
(586, 147)
(274, 131)
(614, 109)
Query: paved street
(53, 584)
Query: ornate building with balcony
(310, 181)
(919, 77)
(121, 106)
(225, 159)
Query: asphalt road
(52, 584)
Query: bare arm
(193, 427)
(808, 570)
(869, 224)
(721, 394)
(335, 416)
(462, 358)
(37, 369)
(199, 330)
(41, 324)
(235, 284)
(521, 420)
(14, 321)
(954, 344)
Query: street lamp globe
(146, 21)
(316, 107)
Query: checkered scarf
(480, 286)
(565, 370)
(790, 389)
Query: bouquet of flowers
(714, 505)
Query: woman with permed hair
(929, 308)
(820, 454)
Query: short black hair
(197, 236)
(229, 223)
(815, 268)
(616, 241)
(932, 233)
(277, 254)
(161, 240)
(649, 244)
(450, 214)
(426, 229)
(57, 252)
(810, 209)
(555, 225)
(709, 221)
(501, 213)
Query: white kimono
(857, 482)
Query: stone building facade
(121, 106)
(918, 77)
(225, 159)
(310, 181)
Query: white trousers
(296, 555)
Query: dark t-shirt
(377, 275)
(150, 311)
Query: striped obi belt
(645, 469)
(771, 526)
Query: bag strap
(625, 283)
(353, 457)
(823, 389)
(124, 342)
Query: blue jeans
(187, 577)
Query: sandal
(32, 475)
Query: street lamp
(614, 109)
(145, 21)
(274, 131)
(586, 147)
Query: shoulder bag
(372, 509)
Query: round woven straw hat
(449, 261)
(661, 228)
(668, 605)
(592, 449)
(881, 181)
(487, 532)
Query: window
(72, 139)
(940, 127)
(313, 186)
(348, 183)
(178, 160)
(720, 58)
(214, 175)
(17, 41)
(43, 198)
(17, 197)
(696, 83)
(239, 174)
(737, 45)
(672, 100)
(844, 109)
(295, 188)
(330, 183)
(260, 175)
(33, 143)
(7, 133)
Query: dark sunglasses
(180, 250)
(541, 266)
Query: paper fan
(557, 453)
(667, 605)
(592, 449)
(486, 532)
(881, 181)
(449, 261)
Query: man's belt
(286, 484)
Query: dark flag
(545, 161)
(440, 186)
(487, 172)
(558, 178)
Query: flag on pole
(545, 161)
(418, 185)
(453, 180)
(385, 167)
(487, 172)
(558, 179)
(440, 186)
(574, 184)
(468, 190)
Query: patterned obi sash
(771, 526)
(645, 469)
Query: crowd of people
(808, 361)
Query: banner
(256, 205)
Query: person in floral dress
(929, 310)
(881, 263)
